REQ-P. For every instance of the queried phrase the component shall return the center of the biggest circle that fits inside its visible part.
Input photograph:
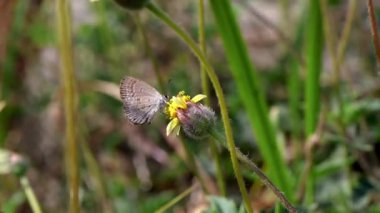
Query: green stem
(314, 53)
(343, 41)
(294, 86)
(67, 72)
(32, 199)
(206, 91)
(337, 57)
(202, 46)
(171, 203)
(330, 40)
(314, 44)
(219, 93)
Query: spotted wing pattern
(140, 100)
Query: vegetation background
(300, 81)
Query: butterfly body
(140, 100)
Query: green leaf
(356, 110)
(15, 201)
(250, 92)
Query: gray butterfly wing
(140, 100)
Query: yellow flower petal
(198, 98)
(172, 125)
(179, 103)
(176, 129)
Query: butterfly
(140, 100)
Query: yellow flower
(176, 103)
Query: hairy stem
(263, 178)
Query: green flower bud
(196, 120)
(132, 4)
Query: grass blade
(314, 47)
(68, 81)
(249, 91)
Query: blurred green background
(127, 168)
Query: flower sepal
(195, 119)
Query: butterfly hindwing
(140, 100)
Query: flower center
(176, 103)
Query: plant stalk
(343, 41)
(314, 38)
(32, 199)
(67, 73)
(171, 203)
(375, 35)
(219, 93)
(206, 91)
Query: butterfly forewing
(140, 100)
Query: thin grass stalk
(206, 91)
(149, 52)
(67, 73)
(314, 56)
(177, 199)
(294, 91)
(202, 46)
(294, 86)
(310, 145)
(219, 94)
(343, 41)
(330, 41)
(32, 199)
(337, 57)
(250, 92)
(374, 33)
(314, 42)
